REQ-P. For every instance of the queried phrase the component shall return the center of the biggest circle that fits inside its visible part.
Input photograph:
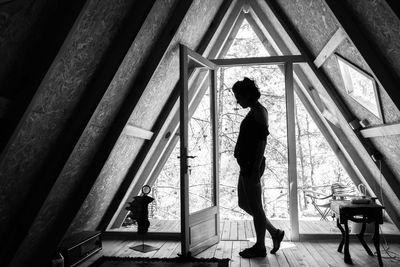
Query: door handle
(189, 157)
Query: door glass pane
(318, 169)
(200, 149)
(270, 80)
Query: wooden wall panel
(46, 118)
(381, 26)
(191, 31)
(31, 34)
(107, 184)
(107, 111)
(311, 20)
(17, 20)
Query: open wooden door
(198, 153)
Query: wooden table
(362, 213)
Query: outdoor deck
(244, 229)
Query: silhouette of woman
(249, 153)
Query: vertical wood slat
(214, 121)
(330, 47)
(183, 126)
(291, 139)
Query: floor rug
(155, 262)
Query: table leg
(347, 257)
(343, 234)
(361, 238)
(376, 243)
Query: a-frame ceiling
(344, 146)
(103, 109)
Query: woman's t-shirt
(250, 134)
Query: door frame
(206, 219)
(286, 62)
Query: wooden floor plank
(292, 258)
(304, 256)
(226, 231)
(241, 230)
(220, 250)
(244, 262)
(235, 258)
(233, 235)
(208, 253)
(227, 250)
(177, 251)
(166, 250)
(281, 259)
(248, 229)
(332, 256)
(315, 253)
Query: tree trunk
(301, 158)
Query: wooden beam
(183, 133)
(230, 27)
(330, 47)
(200, 60)
(272, 60)
(260, 34)
(149, 154)
(66, 142)
(317, 99)
(379, 66)
(137, 132)
(378, 131)
(292, 161)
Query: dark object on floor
(138, 208)
(253, 252)
(152, 262)
(361, 213)
(144, 248)
(80, 246)
(277, 241)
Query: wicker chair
(322, 202)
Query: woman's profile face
(243, 100)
